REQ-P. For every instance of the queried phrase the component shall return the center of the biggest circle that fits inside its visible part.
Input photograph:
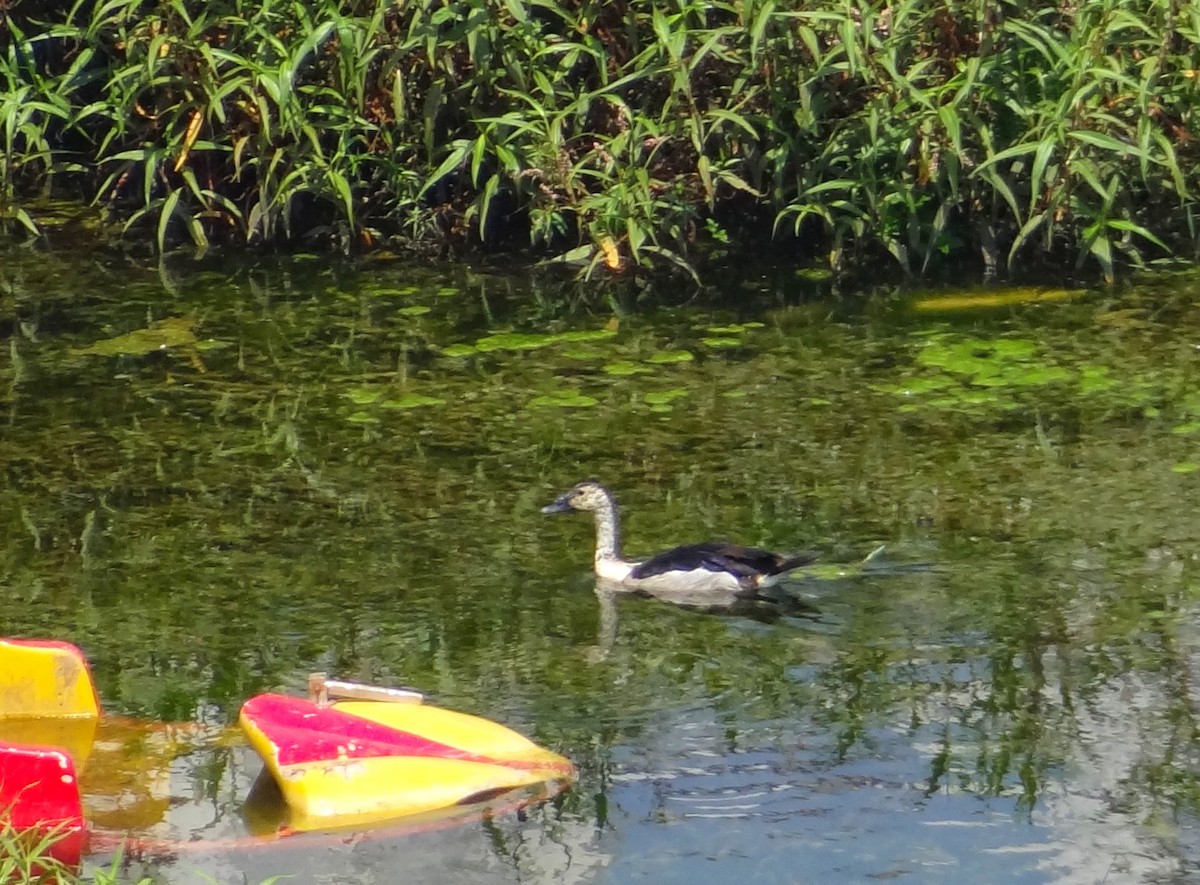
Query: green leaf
(564, 400)
(342, 187)
(1104, 141)
(459, 150)
(1122, 224)
(664, 357)
(1041, 158)
(662, 397)
(26, 221)
(738, 183)
(485, 203)
(1086, 170)
(196, 231)
(625, 367)
(164, 217)
(948, 114)
(517, 10)
(702, 167)
(1100, 248)
(993, 177)
(363, 396)
(578, 255)
(758, 28)
(738, 120)
(1027, 230)
(1011, 153)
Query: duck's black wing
(718, 556)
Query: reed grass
(619, 135)
(26, 856)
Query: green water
(220, 478)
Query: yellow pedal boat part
(47, 697)
(361, 762)
(48, 715)
(44, 678)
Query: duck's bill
(559, 506)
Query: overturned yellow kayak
(359, 762)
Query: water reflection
(342, 471)
(201, 808)
(787, 604)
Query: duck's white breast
(613, 570)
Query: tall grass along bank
(617, 135)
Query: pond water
(220, 478)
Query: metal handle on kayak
(322, 691)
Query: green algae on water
(564, 400)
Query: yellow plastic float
(382, 754)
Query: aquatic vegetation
(989, 298)
(532, 341)
(384, 398)
(617, 137)
(564, 399)
(303, 505)
(733, 328)
(363, 396)
(998, 375)
(663, 357)
(411, 401)
(661, 400)
(160, 335)
(625, 367)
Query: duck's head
(587, 495)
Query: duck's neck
(608, 534)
